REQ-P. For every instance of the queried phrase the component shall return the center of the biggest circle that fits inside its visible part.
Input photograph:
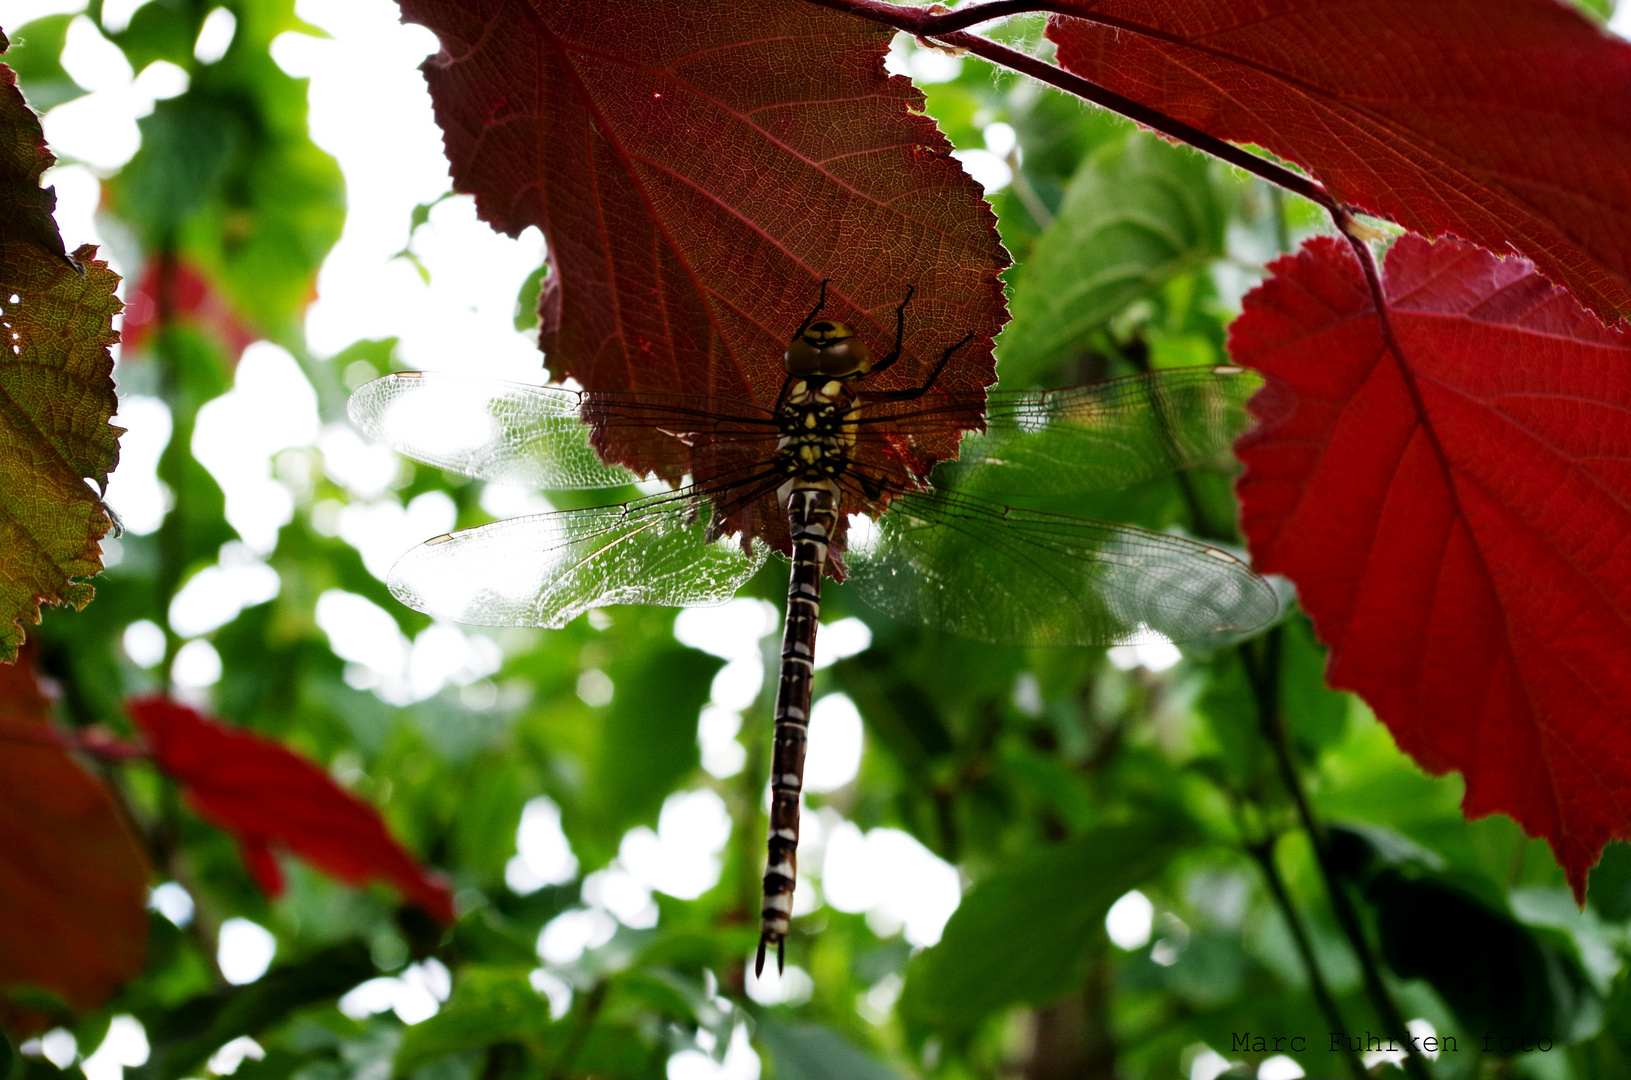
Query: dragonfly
(843, 481)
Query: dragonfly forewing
(1022, 577)
(1100, 437)
(511, 433)
(546, 569)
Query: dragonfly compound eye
(828, 348)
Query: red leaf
(698, 168)
(169, 282)
(1457, 519)
(73, 880)
(267, 796)
(1503, 122)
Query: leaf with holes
(1500, 123)
(73, 880)
(1456, 514)
(697, 170)
(56, 388)
(270, 798)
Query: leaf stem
(580, 1036)
(943, 28)
(1263, 672)
(1263, 852)
(1027, 194)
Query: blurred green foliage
(1056, 781)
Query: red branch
(92, 742)
(946, 29)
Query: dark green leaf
(814, 1052)
(1021, 935)
(1609, 890)
(183, 1038)
(1496, 973)
(488, 1006)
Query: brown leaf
(698, 168)
(56, 388)
(73, 880)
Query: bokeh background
(268, 179)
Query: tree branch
(1263, 852)
(1264, 676)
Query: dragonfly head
(828, 348)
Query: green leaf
(227, 177)
(183, 1037)
(1021, 935)
(489, 1005)
(648, 741)
(36, 57)
(1138, 212)
(56, 388)
(1496, 973)
(1610, 888)
(1600, 10)
(526, 298)
(1609, 1054)
(814, 1052)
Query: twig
(580, 1036)
(1027, 194)
(91, 742)
(1263, 852)
(1264, 675)
(925, 23)
(1199, 519)
(171, 540)
(1282, 228)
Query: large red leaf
(1457, 519)
(1503, 122)
(698, 168)
(269, 797)
(73, 880)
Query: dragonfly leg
(821, 302)
(908, 395)
(900, 332)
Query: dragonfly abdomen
(812, 516)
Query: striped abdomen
(812, 515)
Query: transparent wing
(1098, 437)
(546, 569)
(1021, 577)
(508, 432)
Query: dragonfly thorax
(816, 422)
